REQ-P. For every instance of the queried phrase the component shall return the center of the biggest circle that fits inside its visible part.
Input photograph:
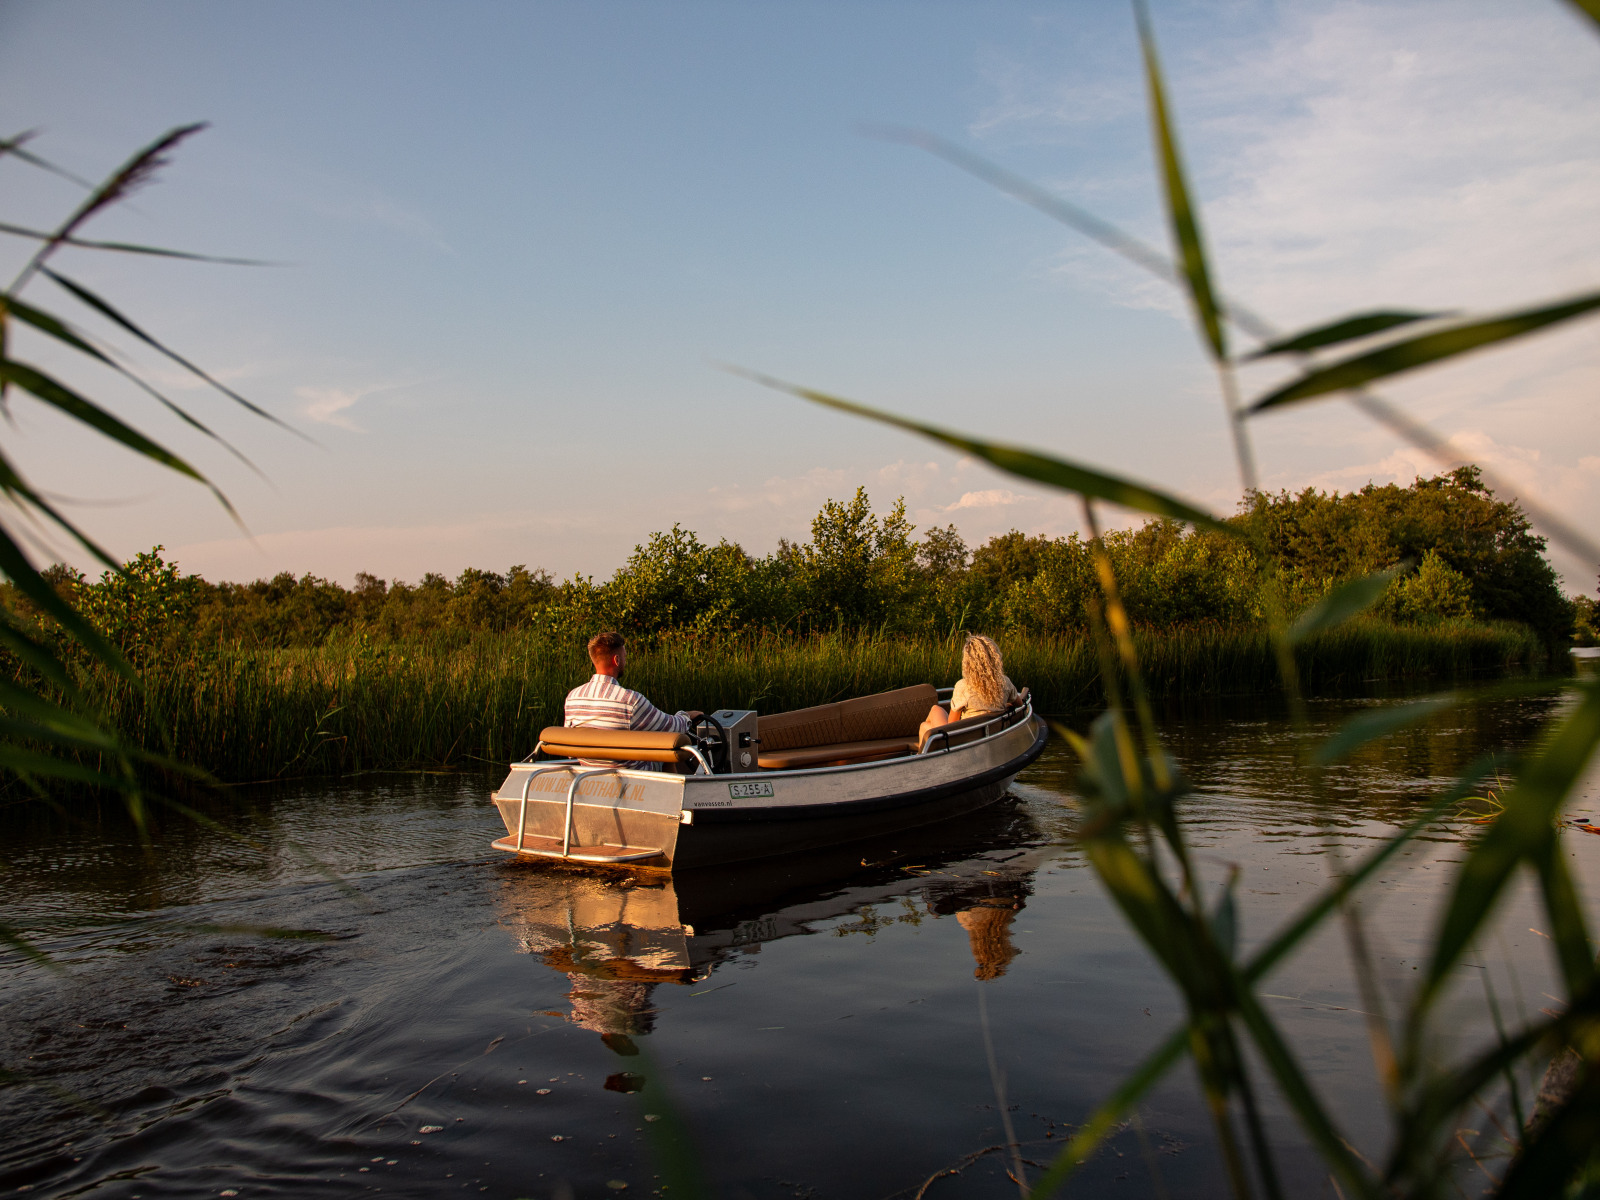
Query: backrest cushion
(803, 727)
(619, 739)
(886, 715)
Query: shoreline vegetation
(296, 676)
(446, 702)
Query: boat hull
(675, 822)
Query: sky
(511, 244)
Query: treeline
(1473, 555)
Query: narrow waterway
(348, 991)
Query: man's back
(603, 703)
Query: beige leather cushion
(887, 714)
(802, 727)
(836, 752)
(622, 739)
(613, 745)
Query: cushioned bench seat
(833, 754)
(859, 730)
(615, 745)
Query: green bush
(867, 572)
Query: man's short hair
(605, 645)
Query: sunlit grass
(450, 700)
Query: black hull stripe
(841, 808)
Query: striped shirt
(603, 703)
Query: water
(464, 1025)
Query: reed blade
(1411, 353)
(1347, 329)
(1093, 1131)
(40, 235)
(67, 401)
(105, 309)
(1180, 208)
(14, 147)
(120, 184)
(1524, 833)
(1014, 460)
(1589, 8)
(1343, 602)
(57, 329)
(21, 573)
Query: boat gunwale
(865, 804)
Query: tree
(858, 570)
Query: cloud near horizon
(988, 498)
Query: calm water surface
(471, 1026)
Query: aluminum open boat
(760, 785)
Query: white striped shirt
(603, 703)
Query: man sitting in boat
(603, 703)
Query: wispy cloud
(332, 405)
(988, 498)
(329, 406)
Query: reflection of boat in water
(762, 785)
(617, 938)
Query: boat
(742, 785)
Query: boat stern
(599, 815)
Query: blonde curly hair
(984, 672)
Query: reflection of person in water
(617, 1009)
(986, 911)
(611, 997)
(988, 927)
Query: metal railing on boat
(1003, 719)
(572, 793)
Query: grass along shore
(446, 702)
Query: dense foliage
(1472, 556)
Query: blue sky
(516, 237)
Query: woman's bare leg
(936, 717)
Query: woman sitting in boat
(982, 691)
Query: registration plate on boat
(749, 791)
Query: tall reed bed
(447, 701)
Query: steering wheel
(708, 734)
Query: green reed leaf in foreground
(134, 174)
(1180, 209)
(1309, 919)
(1345, 330)
(1589, 8)
(16, 568)
(39, 235)
(1093, 1131)
(1550, 1153)
(63, 398)
(1186, 941)
(1343, 602)
(1567, 1140)
(53, 327)
(1117, 240)
(1027, 464)
(1380, 722)
(1525, 832)
(1411, 353)
(672, 1148)
(105, 309)
(13, 146)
